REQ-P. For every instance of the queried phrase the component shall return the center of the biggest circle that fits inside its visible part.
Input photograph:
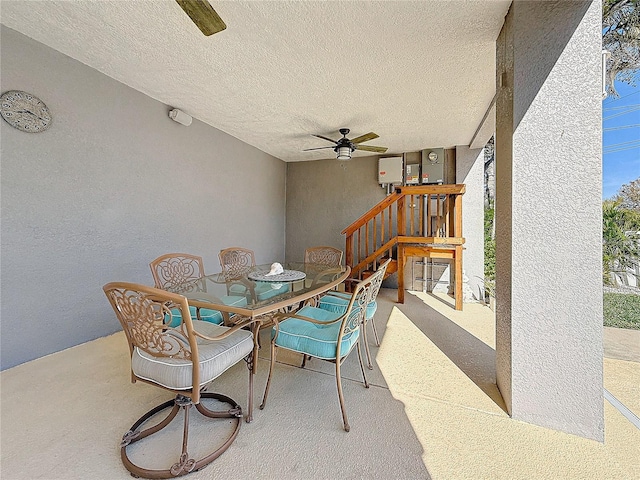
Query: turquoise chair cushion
(319, 341)
(234, 300)
(263, 290)
(338, 302)
(206, 315)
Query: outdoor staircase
(413, 221)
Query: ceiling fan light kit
(344, 153)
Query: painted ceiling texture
(420, 74)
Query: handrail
(379, 207)
(377, 254)
(418, 214)
(453, 189)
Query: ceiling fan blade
(365, 138)
(318, 148)
(326, 138)
(203, 15)
(370, 148)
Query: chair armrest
(326, 275)
(308, 319)
(229, 330)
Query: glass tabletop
(255, 292)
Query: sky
(620, 138)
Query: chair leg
(185, 463)
(366, 345)
(366, 342)
(375, 332)
(266, 389)
(339, 383)
(364, 377)
(252, 365)
(341, 396)
(304, 360)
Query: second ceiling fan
(203, 15)
(344, 147)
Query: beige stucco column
(548, 215)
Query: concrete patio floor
(433, 410)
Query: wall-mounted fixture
(390, 172)
(411, 168)
(180, 117)
(432, 165)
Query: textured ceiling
(420, 74)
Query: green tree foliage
(621, 37)
(489, 252)
(620, 238)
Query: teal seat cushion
(234, 300)
(338, 302)
(264, 290)
(206, 315)
(319, 341)
(238, 289)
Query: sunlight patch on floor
(412, 366)
(450, 413)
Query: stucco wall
(470, 171)
(113, 184)
(324, 197)
(548, 215)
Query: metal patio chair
(327, 335)
(183, 359)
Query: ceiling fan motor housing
(344, 142)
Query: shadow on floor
(471, 355)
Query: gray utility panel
(432, 165)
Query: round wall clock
(24, 111)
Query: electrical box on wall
(412, 168)
(412, 174)
(390, 170)
(433, 165)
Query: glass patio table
(254, 294)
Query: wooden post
(401, 213)
(458, 277)
(457, 230)
(452, 216)
(348, 249)
(401, 262)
